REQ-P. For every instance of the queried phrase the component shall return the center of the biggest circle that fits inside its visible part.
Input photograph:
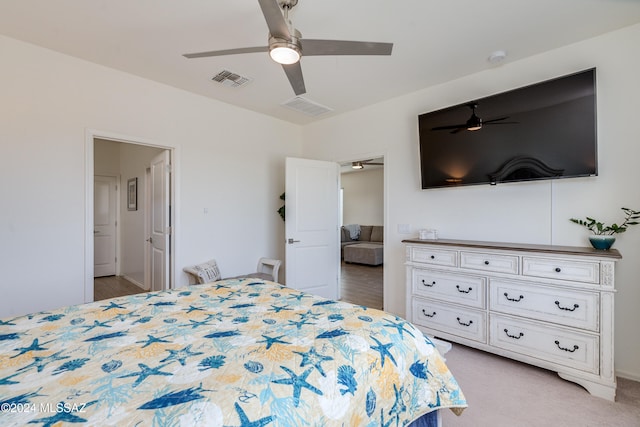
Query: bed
(239, 352)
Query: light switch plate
(404, 228)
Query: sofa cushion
(365, 233)
(377, 232)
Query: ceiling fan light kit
(474, 123)
(284, 51)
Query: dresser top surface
(550, 249)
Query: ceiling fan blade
(294, 74)
(226, 52)
(495, 120)
(462, 126)
(312, 47)
(275, 20)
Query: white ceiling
(434, 41)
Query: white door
(159, 221)
(312, 244)
(104, 225)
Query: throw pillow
(205, 272)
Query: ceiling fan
(286, 45)
(362, 163)
(474, 123)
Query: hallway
(113, 286)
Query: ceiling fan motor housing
(474, 122)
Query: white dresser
(549, 306)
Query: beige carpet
(503, 392)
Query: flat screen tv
(542, 131)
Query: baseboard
(628, 375)
(135, 282)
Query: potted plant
(282, 208)
(603, 235)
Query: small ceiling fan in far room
(362, 163)
(286, 45)
(474, 123)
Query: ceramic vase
(602, 242)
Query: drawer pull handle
(486, 263)
(515, 337)
(427, 314)
(575, 347)
(506, 295)
(464, 324)
(463, 291)
(432, 257)
(558, 269)
(428, 284)
(567, 308)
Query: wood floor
(113, 286)
(362, 285)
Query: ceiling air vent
(230, 79)
(305, 106)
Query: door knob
(150, 240)
(291, 241)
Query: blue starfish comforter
(229, 353)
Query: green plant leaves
(599, 228)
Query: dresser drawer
(578, 271)
(489, 262)
(434, 256)
(459, 288)
(465, 323)
(560, 346)
(565, 307)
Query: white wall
(363, 197)
(49, 102)
(519, 212)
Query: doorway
(363, 204)
(127, 160)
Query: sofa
(366, 249)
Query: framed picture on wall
(132, 194)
